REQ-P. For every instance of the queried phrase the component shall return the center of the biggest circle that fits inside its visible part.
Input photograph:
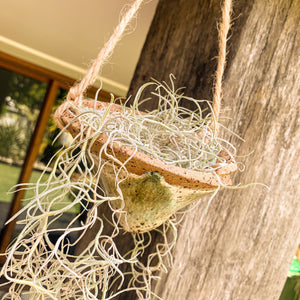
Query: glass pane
(49, 148)
(21, 98)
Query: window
(27, 98)
(21, 98)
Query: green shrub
(13, 143)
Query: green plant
(13, 142)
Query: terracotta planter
(153, 190)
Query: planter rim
(141, 163)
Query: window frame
(54, 82)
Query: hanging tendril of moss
(47, 270)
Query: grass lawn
(9, 176)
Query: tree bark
(244, 245)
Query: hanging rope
(77, 91)
(223, 33)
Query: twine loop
(76, 92)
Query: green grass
(9, 176)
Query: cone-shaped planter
(152, 189)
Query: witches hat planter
(152, 189)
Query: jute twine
(77, 91)
(223, 34)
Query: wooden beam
(42, 74)
(32, 152)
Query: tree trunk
(244, 245)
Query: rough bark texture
(244, 245)
(246, 241)
(183, 40)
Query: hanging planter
(146, 166)
(147, 152)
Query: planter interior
(153, 190)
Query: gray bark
(243, 247)
(245, 243)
